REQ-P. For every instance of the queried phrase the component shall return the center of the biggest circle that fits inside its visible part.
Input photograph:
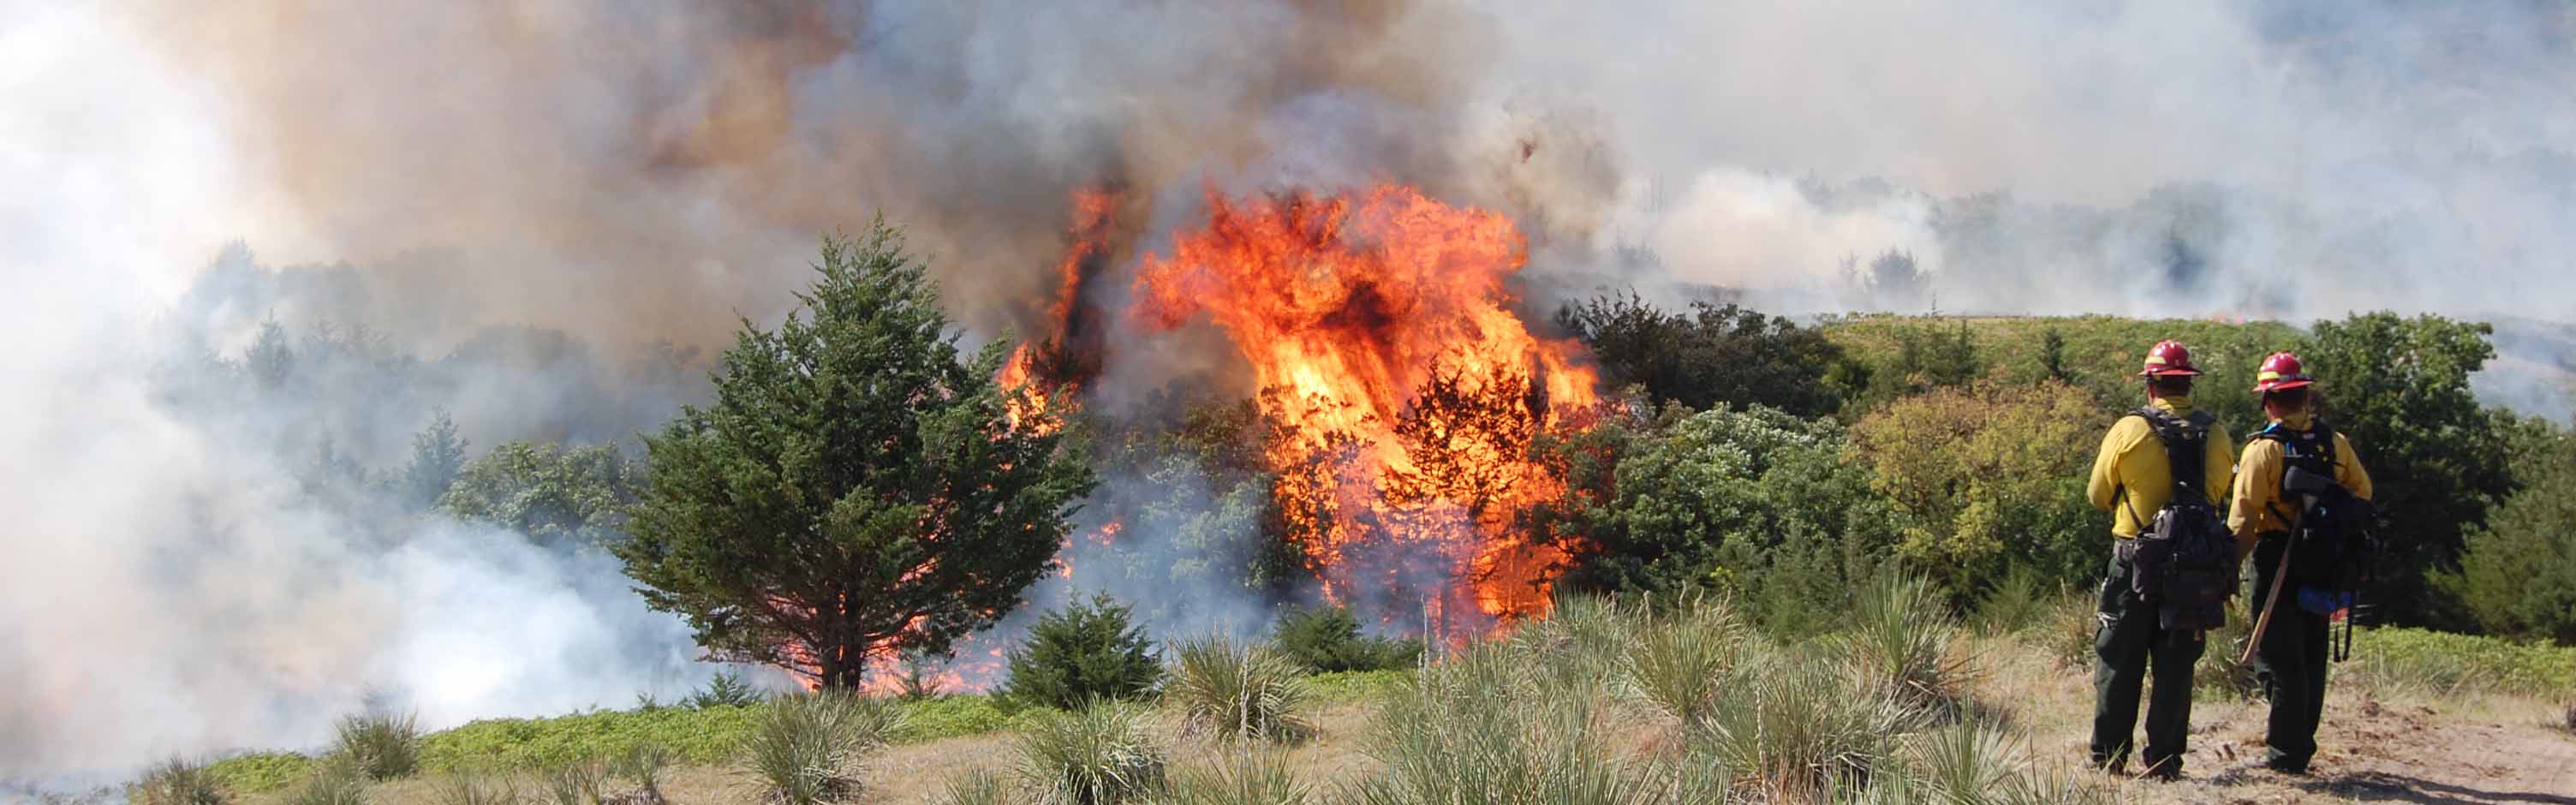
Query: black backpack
(2334, 545)
(2185, 560)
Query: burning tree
(860, 488)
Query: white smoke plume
(624, 174)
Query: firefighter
(2290, 654)
(2133, 479)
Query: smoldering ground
(632, 174)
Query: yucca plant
(1483, 728)
(1579, 643)
(1965, 763)
(1680, 662)
(1793, 724)
(807, 749)
(475, 789)
(580, 782)
(1238, 691)
(1900, 638)
(976, 787)
(177, 782)
(642, 766)
(2067, 630)
(1102, 754)
(382, 746)
(1249, 778)
(337, 782)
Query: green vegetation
(382, 746)
(335, 782)
(858, 439)
(805, 750)
(1102, 754)
(1238, 692)
(1085, 652)
(551, 493)
(1714, 356)
(1326, 639)
(2518, 575)
(1988, 478)
(177, 782)
(2446, 664)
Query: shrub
(2066, 632)
(381, 746)
(1496, 724)
(2418, 661)
(1988, 478)
(464, 789)
(1713, 356)
(335, 783)
(1797, 724)
(642, 766)
(1246, 779)
(1237, 691)
(177, 782)
(1900, 638)
(1680, 662)
(807, 749)
(1080, 653)
(1327, 639)
(1574, 648)
(1963, 763)
(1099, 755)
(975, 787)
(725, 689)
(2518, 576)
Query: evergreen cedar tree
(857, 490)
(1086, 652)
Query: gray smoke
(544, 208)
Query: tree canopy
(861, 487)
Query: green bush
(260, 772)
(1713, 356)
(177, 782)
(381, 745)
(725, 689)
(1102, 754)
(1084, 652)
(1989, 478)
(951, 716)
(2518, 577)
(703, 736)
(806, 749)
(1245, 692)
(2444, 664)
(1326, 639)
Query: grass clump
(1680, 663)
(1797, 724)
(582, 782)
(1099, 755)
(177, 782)
(1962, 763)
(975, 787)
(1237, 691)
(1479, 728)
(1900, 638)
(1252, 778)
(807, 749)
(1326, 639)
(642, 767)
(477, 789)
(338, 782)
(381, 745)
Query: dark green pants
(2125, 644)
(2290, 664)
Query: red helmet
(2169, 359)
(2281, 371)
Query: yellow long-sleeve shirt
(2257, 508)
(2131, 478)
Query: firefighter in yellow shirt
(2133, 478)
(2290, 656)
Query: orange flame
(1045, 365)
(1348, 309)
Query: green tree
(2518, 576)
(1714, 355)
(1084, 652)
(549, 492)
(437, 456)
(860, 487)
(1989, 477)
(2399, 388)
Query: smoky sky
(569, 196)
